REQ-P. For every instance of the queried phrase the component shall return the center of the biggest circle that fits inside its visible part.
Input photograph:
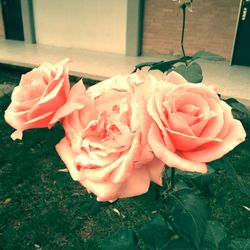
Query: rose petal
(124, 171)
(75, 100)
(153, 111)
(235, 136)
(170, 158)
(18, 134)
(156, 169)
(136, 184)
(68, 155)
(105, 191)
(175, 78)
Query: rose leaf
(239, 111)
(240, 244)
(192, 73)
(214, 236)
(187, 213)
(156, 233)
(122, 239)
(207, 56)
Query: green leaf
(208, 56)
(187, 213)
(192, 73)
(179, 244)
(156, 233)
(202, 181)
(164, 66)
(240, 244)
(239, 111)
(215, 234)
(144, 64)
(180, 185)
(123, 239)
(96, 206)
(225, 165)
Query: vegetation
(42, 208)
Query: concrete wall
(1, 23)
(90, 24)
(210, 26)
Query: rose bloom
(105, 147)
(40, 93)
(191, 125)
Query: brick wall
(1, 22)
(210, 26)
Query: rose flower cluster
(120, 133)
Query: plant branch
(183, 28)
(172, 178)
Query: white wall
(90, 24)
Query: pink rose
(191, 125)
(40, 93)
(106, 147)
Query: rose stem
(183, 28)
(172, 178)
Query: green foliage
(144, 64)
(240, 244)
(178, 244)
(156, 233)
(214, 236)
(207, 55)
(192, 72)
(123, 239)
(201, 181)
(185, 66)
(240, 112)
(41, 207)
(187, 213)
(225, 165)
(164, 66)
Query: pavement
(231, 81)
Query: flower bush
(128, 131)
(120, 132)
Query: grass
(42, 208)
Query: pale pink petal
(15, 119)
(75, 100)
(18, 134)
(178, 124)
(192, 99)
(153, 111)
(136, 184)
(124, 171)
(235, 136)
(170, 158)
(186, 142)
(51, 92)
(198, 127)
(175, 78)
(156, 169)
(227, 116)
(39, 122)
(216, 123)
(68, 156)
(91, 160)
(105, 191)
(101, 174)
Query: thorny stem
(183, 28)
